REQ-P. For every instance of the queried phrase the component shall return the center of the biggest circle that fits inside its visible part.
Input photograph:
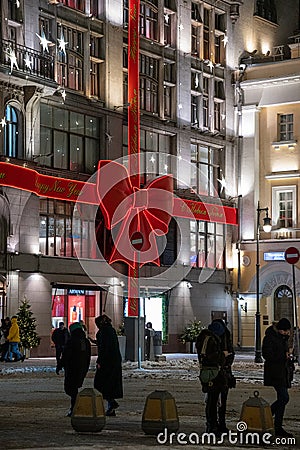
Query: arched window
(283, 303)
(11, 132)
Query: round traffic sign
(292, 255)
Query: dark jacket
(108, 378)
(274, 351)
(214, 354)
(60, 336)
(76, 359)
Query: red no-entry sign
(292, 255)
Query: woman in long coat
(108, 377)
(75, 360)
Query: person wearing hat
(75, 360)
(210, 355)
(275, 351)
(108, 376)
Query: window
(204, 173)
(284, 206)
(15, 11)
(194, 111)
(12, 130)
(206, 244)
(286, 127)
(266, 9)
(169, 27)
(70, 63)
(75, 4)
(61, 234)
(154, 157)
(95, 61)
(69, 140)
(148, 83)
(148, 21)
(169, 88)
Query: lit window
(206, 244)
(284, 206)
(11, 132)
(286, 127)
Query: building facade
(267, 110)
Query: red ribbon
(137, 215)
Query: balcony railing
(27, 60)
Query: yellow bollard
(256, 412)
(160, 412)
(88, 413)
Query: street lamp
(267, 228)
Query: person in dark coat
(60, 337)
(108, 377)
(5, 326)
(229, 353)
(75, 360)
(212, 356)
(276, 369)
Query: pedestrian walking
(108, 377)
(5, 326)
(212, 360)
(149, 335)
(277, 373)
(75, 361)
(13, 339)
(60, 337)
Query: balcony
(26, 61)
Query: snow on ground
(244, 369)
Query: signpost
(292, 256)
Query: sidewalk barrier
(160, 413)
(88, 413)
(256, 413)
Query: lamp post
(267, 228)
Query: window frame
(276, 191)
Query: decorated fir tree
(27, 326)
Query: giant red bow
(137, 214)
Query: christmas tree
(27, 326)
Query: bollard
(160, 412)
(88, 413)
(256, 412)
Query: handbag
(208, 374)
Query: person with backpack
(212, 360)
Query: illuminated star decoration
(180, 106)
(17, 3)
(210, 65)
(109, 137)
(28, 62)
(44, 41)
(152, 159)
(225, 40)
(62, 44)
(13, 59)
(223, 116)
(3, 122)
(222, 183)
(63, 94)
(181, 28)
(167, 17)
